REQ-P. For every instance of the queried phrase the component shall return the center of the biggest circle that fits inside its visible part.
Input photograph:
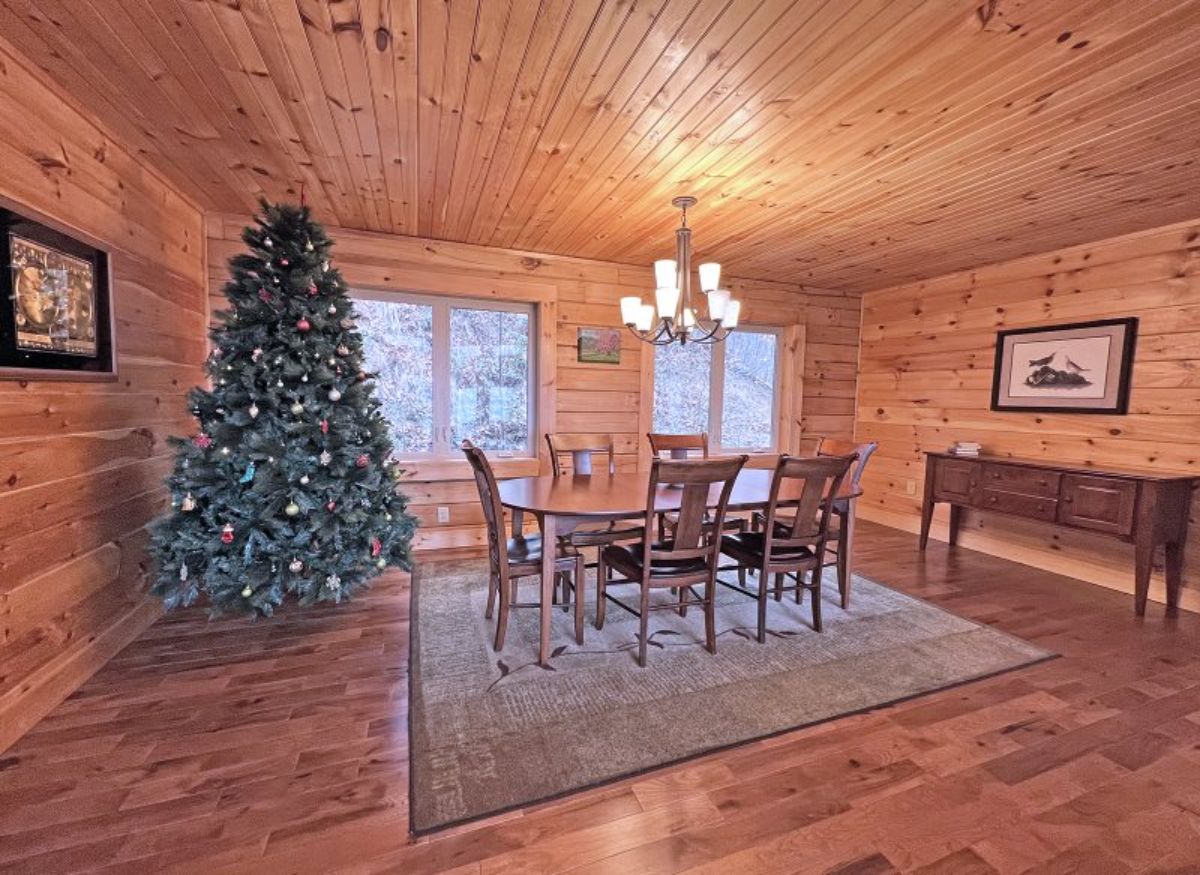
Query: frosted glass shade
(732, 312)
(668, 300)
(689, 317)
(645, 318)
(666, 274)
(718, 304)
(710, 276)
(629, 310)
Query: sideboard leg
(1174, 567)
(1143, 561)
(926, 520)
(955, 519)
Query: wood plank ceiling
(845, 143)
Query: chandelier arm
(712, 336)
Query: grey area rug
(494, 731)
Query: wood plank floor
(280, 746)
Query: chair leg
(710, 616)
(579, 584)
(567, 586)
(762, 608)
(779, 587)
(491, 603)
(799, 589)
(741, 575)
(816, 598)
(601, 583)
(644, 620)
(683, 593)
(502, 620)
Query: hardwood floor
(281, 747)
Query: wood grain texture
(847, 145)
(927, 356)
(281, 746)
(818, 361)
(82, 464)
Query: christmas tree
(288, 484)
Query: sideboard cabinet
(1144, 508)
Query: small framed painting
(55, 312)
(1084, 367)
(600, 346)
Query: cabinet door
(1103, 504)
(955, 480)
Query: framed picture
(1084, 367)
(55, 312)
(600, 346)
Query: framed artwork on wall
(56, 319)
(1084, 367)
(600, 346)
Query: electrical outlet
(910, 487)
(443, 514)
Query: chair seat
(528, 551)
(604, 535)
(628, 560)
(835, 525)
(731, 524)
(748, 547)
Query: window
(728, 389)
(449, 371)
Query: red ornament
(312, 290)
(284, 262)
(324, 426)
(331, 505)
(376, 547)
(264, 296)
(227, 534)
(362, 461)
(303, 324)
(202, 440)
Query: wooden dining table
(562, 503)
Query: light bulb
(645, 318)
(666, 273)
(668, 300)
(710, 276)
(629, 310)
(718, 304)
(732, 311)
(689, 317)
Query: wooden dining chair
(690, 559)
(677, 447)
(519, 557)
(795, 533)
(842, 523)
(579, 450)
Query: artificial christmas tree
(288, 484)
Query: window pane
(489, 378)
(681, 388)
(398, 347)
(748, 411)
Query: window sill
(460, 469)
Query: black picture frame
(59, 358)
(1120, 366)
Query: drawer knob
(992, 499)
(1042, 482)
(1068, 499)
(1041, 507)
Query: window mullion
(716, 393)
(441, 379)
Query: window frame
(442, 405)
(716, 391)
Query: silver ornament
(304, 378)
(256, 355)
(183, 572)
(333, 581)
(297, 408)
(335, 395)
(304, 480)
(325, 458)
(247, 592)
(292, 509)
(189, 503)
(253, 411)
(332, 309)
(295, 566)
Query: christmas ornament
(216, 352)
(335, 395)
(183, 572)
(332, 361)
(284, 262)
(381, 563)
(362, 461)
(295, 566)
(342, 350)
(333, 581)
(303, 324)
(304, 480)
(227, 534)
(247, 592)
(297, 409)
(331, 506)
(332, 311)
(324, 426)
(249, 475)
(279, 384)
(188, 504)
(253, 411)
(325, 458)
(312, 290)
(256, 355)
(292, 509)
(267, 242)
(376, 547)
(225, 451)
(264, 296)
(308, 247)
(304, 378)
(202, 440)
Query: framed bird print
(1084, 367)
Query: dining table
(563, 503)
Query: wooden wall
(81, 464)
(819, 359)
(926, 376)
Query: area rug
(493, 731)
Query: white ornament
(225, 451)
(295, 566)
(333, 581)
(267, 243)
(304, 480)
(183, 571)
(332, 361)
(325, 458)
(332, 309)
(297, 408)
(304, 378)
(308, 247)
(189, 503)
(247, 592)
(256, 355)
(335, 395)
(253, 411)
(279, 383)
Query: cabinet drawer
(1030, 506)
(1103, 504)
(955, 480)
(1015, 478)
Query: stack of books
(966, 448)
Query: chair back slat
(697, 532)
(580, 448)
(489, 497)
(802, 520)
(835, 447)
(679, 446)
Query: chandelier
(672, 318)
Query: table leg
(549, 551)
(846, 554)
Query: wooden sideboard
(1141, 507)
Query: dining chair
(795, 533)
(690, 559)
(677, 447)
(519, 557)
(840, 527)
(579, 450)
